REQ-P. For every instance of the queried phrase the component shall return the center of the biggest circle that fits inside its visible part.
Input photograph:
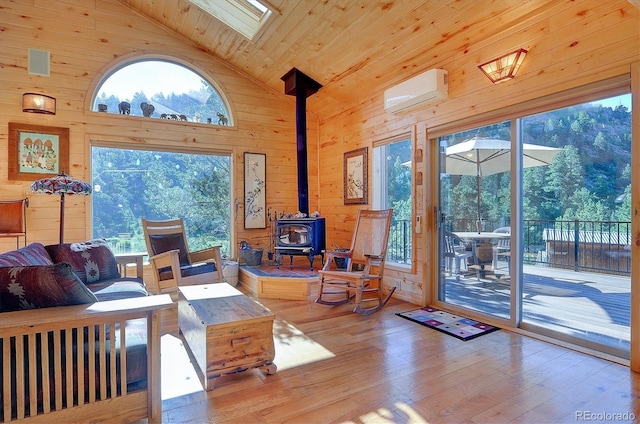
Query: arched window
(161, 89)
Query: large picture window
(132, 184)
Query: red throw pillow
(33, 254)
(41, 286)
(92, 260)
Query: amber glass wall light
(38, 103)
(505, 67)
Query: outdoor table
(482, 245)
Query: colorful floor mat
(454, 325)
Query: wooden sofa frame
(96, 324)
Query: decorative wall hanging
(37, 151)
(355, 177)
(255, 196)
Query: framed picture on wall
(255, 196)
(355, 177)
(37, 151)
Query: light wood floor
(335, 366)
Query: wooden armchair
(172, 263)
(362, 278)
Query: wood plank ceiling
(346, 45)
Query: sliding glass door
(577, 231)
(475, 200)
(535, 222)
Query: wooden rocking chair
(362, 278)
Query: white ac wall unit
(420, 90)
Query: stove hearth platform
(295, 282)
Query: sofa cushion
(92, 260)
(136, 365)
(119, 288)
(33, 254)
(188, 271)
(165, 242)
(41, 286)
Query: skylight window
(243, 16)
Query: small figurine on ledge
(147, 109)
(222, 120)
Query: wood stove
(300, 237)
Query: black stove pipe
(301, 145)
(298, 84)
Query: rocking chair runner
(368, 251)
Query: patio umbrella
(481, 156)
(62, 185)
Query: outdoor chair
(455, 253)
(502, 248)
(13, 219)
(172, 263)
(362, 278)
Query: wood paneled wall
(86, 39)
(570, 44)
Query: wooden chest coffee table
(225, 331)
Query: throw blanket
(90, 244)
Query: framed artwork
(355, 177)
(37, 151)
(255, 196)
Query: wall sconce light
(38, 103)
(505, 67)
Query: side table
(124, 259)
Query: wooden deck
(589, 306)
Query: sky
(614, 102)
(151, 77)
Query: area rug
(453, 325)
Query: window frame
(243, 16)
(91, 105)
(100, 142)
(611, 87)
(378, 191)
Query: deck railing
(597, 246)
(400, 240)
(600, 246)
